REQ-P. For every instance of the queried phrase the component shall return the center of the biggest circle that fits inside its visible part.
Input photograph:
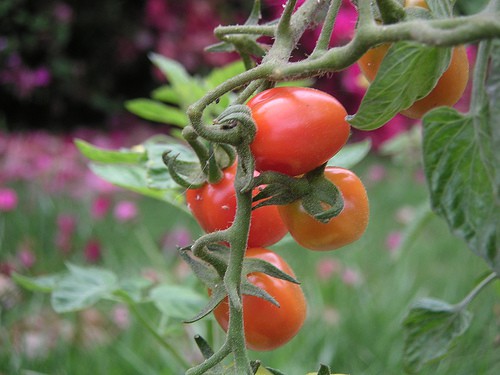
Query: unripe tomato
(214, 207)
(267, 326)
(298, 129)
(341, 230)
(449, 88)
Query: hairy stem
(474, 292)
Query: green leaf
(94, 153)
(220, 75)
(155, 111)
(430, 328)
(43, 284)
(134, 287)
(173, 71)
(134, 178)
(177, 301)
(441, 8)
(463, 178)
(82, 287)
(493, 91)
(408, 72)
(351, 154)
(165, 94)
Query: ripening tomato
(449, 88)
(267, 326)
(214, 207)
(298, 129)
(341, 230)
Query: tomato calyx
(209, 265)
(320, 197)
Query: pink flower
(377, 173)
(125, 211)
(351, 277)
(66, 226)
(121, 316)
(393, 241)
(178, 237)
(8, 199)
(100, 207)
(92, 251)
(327, 268)
(26, 257)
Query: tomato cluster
(298, 130)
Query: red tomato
(214, 207)
(341, 230)
(267, 326)
(298, 129)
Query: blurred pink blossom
(92, 251)
(178, 237)
(66, 226)
(377, 173)
(327, 268)
(8, 199)
(393, 241)
(125, 211)
(63, 12)
(121, 316)
(26, 256)
(100, 206)
(351, 277)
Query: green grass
(361, 333)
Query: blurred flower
(63, 12)
(327, 268)
(121, 316)
(351, 277)
(100, 206)
(8, 199)
(377, 173)
(125, 211)
(178, 237)
(25, 255)
(331, 316)
(92, 251)
(405, 215)
(393, 240)
(9, 292)
(66, 226)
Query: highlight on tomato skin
(214, 208)
(341, 230)
(267, 326)
(298, 129)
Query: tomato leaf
(351, 154)
(459, 162)
(82, 287)
(408, 72)
(43, 284)
(251, 265)
(176, 301)
(218, 295)
(440, 8)
(430, 328)
(94, 153)
(155, 111)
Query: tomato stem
(390, 11)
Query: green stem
(211, 362)
(474, 292)
(326, 31)
(391, 11)
(171, 349)
(479, 98)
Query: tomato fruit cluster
(449, 88)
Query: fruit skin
(449, 88)
(341, 230)
(298, 129)
(267, 326)
(214, 207)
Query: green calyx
(320, 198)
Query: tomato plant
(214, 207)
(267, 326)
(341, 230)
(449, 88)
(298, 129)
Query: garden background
(67, 71)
